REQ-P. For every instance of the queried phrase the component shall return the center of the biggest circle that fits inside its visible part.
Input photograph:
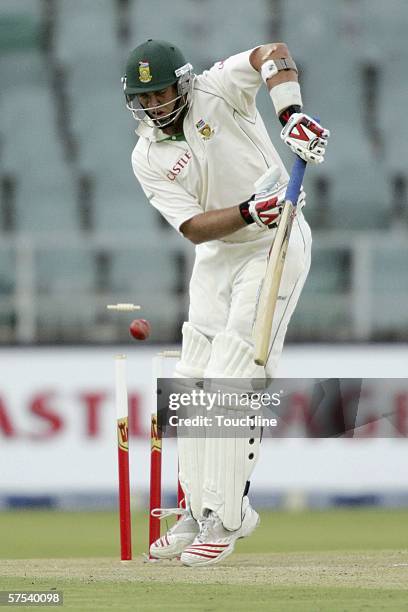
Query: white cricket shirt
(225, 149)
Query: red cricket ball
(139, 329)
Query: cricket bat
(270, 287)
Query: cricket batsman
(206, 163)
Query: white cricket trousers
(226, 279)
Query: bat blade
(270, 288)
(269, 293)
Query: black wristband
(245, 214)
(285, 115)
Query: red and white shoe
(214, 542)
(182, 534)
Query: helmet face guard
(153, 67)
(183, 81)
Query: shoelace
(205, 525)
(162, 513)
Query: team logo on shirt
(144, 72)
(205, 130)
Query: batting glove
(265, 208)
(306, 137)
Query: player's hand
(306, 137)
(266, 207)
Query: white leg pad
(195, 355)
(232, 357)
(191, 472)
(230, 461)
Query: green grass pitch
(336, 560)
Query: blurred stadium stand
(76, 231)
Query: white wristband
(268, 70)
(286, 94)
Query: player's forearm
(213, 225)
(303, 134)
(273, 51)
(279, 72)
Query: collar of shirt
(151, 133)
(155, 134)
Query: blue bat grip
(296, 178)
(295, 181)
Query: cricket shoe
(182, 534)
(214, 542)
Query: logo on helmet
(144, 72)
(205, 130)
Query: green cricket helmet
(154, 66)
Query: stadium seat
(7, 271)
(46, 205)
(129, 252)
(57, 323)
(195, 27)
(148, 269)
(151, 276)
(324, 306)
(330, 81)
(393, 90)
(330, 271)
(308, 30)
(85, 30)
(122, 206)
(21, 70)
(390, 269)
(383, 29)
(67, 270)
(33, 153)
(360, 197)
(390, 287)
(30, 136)
(20, 26)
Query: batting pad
(229, 463)
(232, 357)
(194, 358)
(195, 353)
